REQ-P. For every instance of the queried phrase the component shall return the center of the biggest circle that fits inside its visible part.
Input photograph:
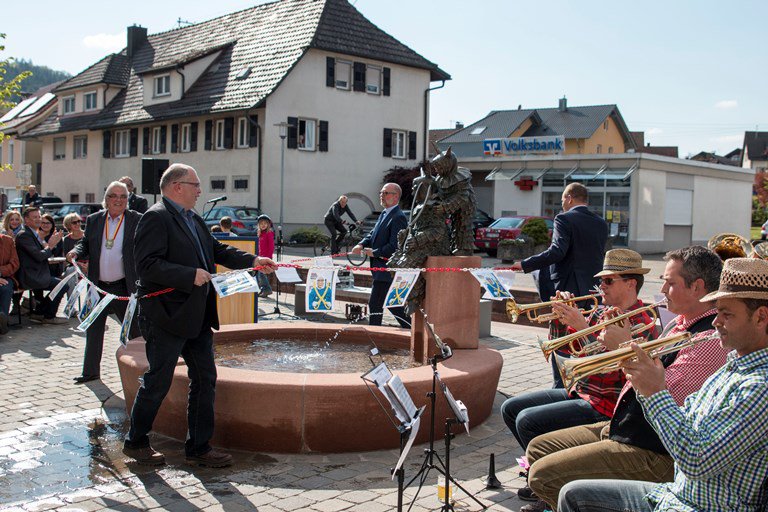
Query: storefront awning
(505, 174)
(554, 176)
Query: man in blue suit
(380, 243)
(576, 253)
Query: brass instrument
(531, 310)
(575, 369)
(570, 340)
(731, 245)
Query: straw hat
(742, 278)
(622, 262)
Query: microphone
(216, 199)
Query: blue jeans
(539, 412)
(605, 496)
(263, 281)
(6, 295)
(163, 350)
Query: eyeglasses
(117, 196)
(608, 281)
(45, 222)
(385, 193)
(195, 184)
(75, 222)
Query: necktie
(189, 220)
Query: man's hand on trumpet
(568, 313)
(615, 334)
(645, 374)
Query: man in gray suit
(107, 247)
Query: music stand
(279, 256)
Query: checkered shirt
(602, 391)
(719, 439)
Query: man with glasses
(107, 250)
(34, 271)
(174, 250)
(379, 245)
(594, 398)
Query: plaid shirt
(719, 439)
(602, 391)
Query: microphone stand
(213, 203)
(279, 257)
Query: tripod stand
(279, 255)
(430, 454)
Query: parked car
(61, 210)
(505, 228)
(481, 220)
(15, 203)
(764, 230)
(244, 218)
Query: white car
(764, 230)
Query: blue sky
(688, 73)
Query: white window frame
(63, 142)
(80, 151)
(156, 142)
(68, 101)
(186, 138)
(399, 144)
(342, 68)
(242, 132)
(122, 143)
(86, 97)
(162, 85)
(219, 135)
(217, 178)
(309, 140)
(238, 189)
(370, 87)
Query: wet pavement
(60, 443)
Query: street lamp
(283, 133)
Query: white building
(211, 94)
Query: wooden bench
(361, 295)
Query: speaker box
(151, 170)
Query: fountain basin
(314, 412)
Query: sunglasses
(608, 281)
(75, 222)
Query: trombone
(532, 310)
(547, 347)
(575, 369)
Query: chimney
(459, 125)
(563, 106)
(137, 36)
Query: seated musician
(594, 399)
(719, 438)
(627, 447)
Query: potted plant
(533, 239)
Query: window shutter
(134, 141)
(385, 84)
(387, 142)
(174, 138)
(145, 141)
(293, 133)
(208, 134)
(358, 83)
(193, 137)
(163, 137)
(330, 71)
(107, 153)
(253, 134)
(229, 132)
(323, 142)
(412, 145)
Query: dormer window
(89, 99)
(162, 85)
(69, 104)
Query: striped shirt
(719, 439)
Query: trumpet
(547, 347)
(532, 310)
(575, 369)
(731, 245)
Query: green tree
(8, 88)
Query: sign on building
(524, 145)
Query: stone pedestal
(452, 304)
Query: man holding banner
(174, 250)
(107, 247)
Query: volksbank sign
(521, 145)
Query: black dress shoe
(85, 378)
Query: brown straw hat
(622, 262)
(742, 278)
